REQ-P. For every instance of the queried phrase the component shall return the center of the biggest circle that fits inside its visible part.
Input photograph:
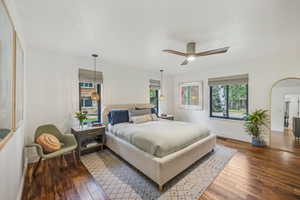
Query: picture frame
(19, 84)
(7, 75)
(191, 95)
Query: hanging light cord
(161, 78)
(95, 63)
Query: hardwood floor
(253, 173)
(257, 173)
(285, 141)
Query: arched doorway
(285, 115)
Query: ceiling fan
(191, 54)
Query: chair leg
(160, 188)
(62, 160)
(36, 167)
(74, 157)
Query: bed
(172, 147)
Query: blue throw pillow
(119, 116)
(109, 118)
(153, 111)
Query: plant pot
(258, 142)
(80, 124)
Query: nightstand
(168, 117)
(89, 139)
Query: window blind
(229, 80)
(89, 76)
(154, 84)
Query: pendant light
(161, 97)
(94, 95)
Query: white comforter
(160, 138)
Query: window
(88, 84)
(154, 93)
(154, 98)
(86, 102)
(92, 108)
(229, 99)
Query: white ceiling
(132, 33)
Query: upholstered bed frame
(160, 170)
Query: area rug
(120, 180)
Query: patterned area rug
(120, 180)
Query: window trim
(157, 105)
(157, 94)
(86, 87)
(83, 103)
(98, 89)
(227, 104)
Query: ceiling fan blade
(174, 52)
(211, 52)
(185, 62)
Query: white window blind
(154, 84)
(229, 80)
(89, 76)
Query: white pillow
(141, 119)
(154, 117)
(134, 112)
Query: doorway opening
(285, 115)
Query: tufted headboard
(107, 108)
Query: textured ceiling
(132, 33)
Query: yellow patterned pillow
(49, 142)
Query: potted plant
(255, 122)
(81, 116)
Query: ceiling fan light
(191, 58)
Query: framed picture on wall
(191, 95)
(7, 51)
(7, 64)
(19, 83)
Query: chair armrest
(69, 139)
(38, 147)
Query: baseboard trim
(231, 139)
(20, 192)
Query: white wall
(12, 167)
(52, 88)
(278, 106)
(11, 155)
(263, 72)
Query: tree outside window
(154, 98)
(229, 101)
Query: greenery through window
(154, 98)
(93, 108)
(86, 85)
(229, 101)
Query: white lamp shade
(162, 97)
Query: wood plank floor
(285, 141)
(253, 173)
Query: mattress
(160, 138)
